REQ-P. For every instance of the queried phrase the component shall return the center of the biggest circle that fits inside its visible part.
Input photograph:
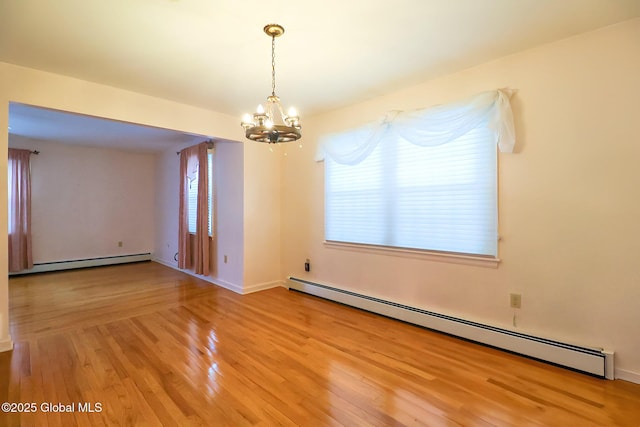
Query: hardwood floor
(148, 345)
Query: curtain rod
(208, 141)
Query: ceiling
(52, 125)
(213, 53)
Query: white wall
(228, 219)
(247, 223)
(38, 88)
(229, 183)
(85, 200)
(167, 191)
(568, 209)
(569, 204)
(262, 215)
(5, 338)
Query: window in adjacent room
(192, 197)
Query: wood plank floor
(148, 345)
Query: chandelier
(270, 124)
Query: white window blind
(192, 197)
(11, 164)
(192, 204)
(211, 188)
(441, 198)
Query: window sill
(474, 260)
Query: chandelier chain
(273, 65)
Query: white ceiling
(52, 125)
(213, 53)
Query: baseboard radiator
(594, 361)
(84, 263)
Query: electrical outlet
(119, 244)
(225, 259)
(515, 300)
(307, 265)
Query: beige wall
(262, 202)
(228, 218)
(28, 86)
(229, 222)
(84, 200)
(569, 204)
(5, 339)
(167, 190)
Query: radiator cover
(594, 361)
(84, 263)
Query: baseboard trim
(238, 289)
(262, 286)
(172, 264)
(632, 377)
(6, 344)
(218, 282)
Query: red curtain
(20, 254)
(193, 165)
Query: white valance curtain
(427, 127)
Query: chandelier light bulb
(268, 124)
(246, 118)
(292, 112)
(260, 109)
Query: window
(192, 197)
(424, 180)
(11, 165)
(440, 198)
